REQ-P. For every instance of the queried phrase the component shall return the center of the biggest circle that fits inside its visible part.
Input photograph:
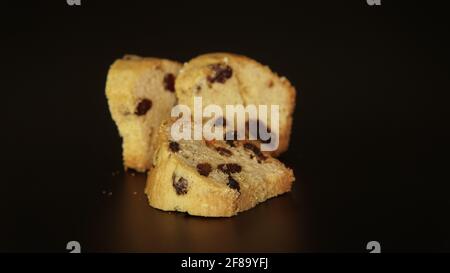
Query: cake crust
(140, 94)
(176, 182)
(225, 78)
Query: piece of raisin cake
(223, 78)
(140, 93)
(212, 178)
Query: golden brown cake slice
(140, 93)
(212, 178)
(223, 78)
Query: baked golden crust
(250, 83)
(131, 80)
(210, 195)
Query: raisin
(204, 169)
(231, 143)
(174, 146)
(255, 150)
(233, 184)
(224, 151)
(221, 73)
(251, 147)
(169, 82)
(180, 185)
(143, 106)
(233, 136)
(230, 168)
(197, 90)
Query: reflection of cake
(223, 78)
(212, 178)
(140, 94)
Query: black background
(368, 144)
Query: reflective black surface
(368, 147)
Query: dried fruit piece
(233, 136)
(231, 143)
(180, 185)
(143, 106)
(221, 73)
(169, 82)
(233, 184)
(204, 168)
(255, 150)
(224, 151)
(230, 168)
(174, 146)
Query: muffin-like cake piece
(212, 178)
(140, 93)
(223, 78)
